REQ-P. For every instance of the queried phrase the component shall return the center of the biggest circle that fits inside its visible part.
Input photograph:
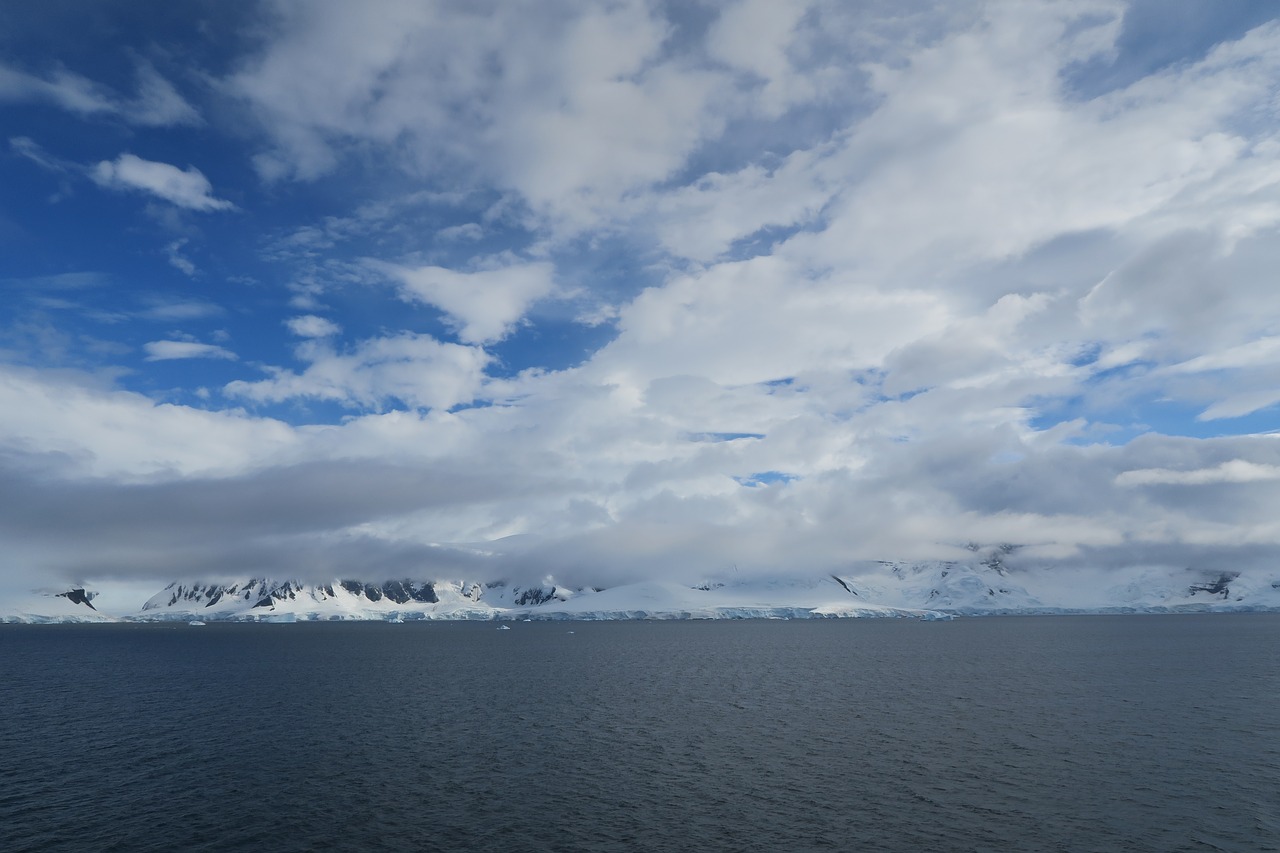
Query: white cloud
(966, 161)
(415, 370)
(928, 304)
(187, 188)
(1233, 471)
(482, 305)
(179, 261)
(1264, 351)
(702, 220)
(589, 102)
(156, 104)
(761, 320)
(29, 148)
(466, 231)
(70, 91)
(169, 350)
(87, 429)
(753, 37)
(311, 326)
(1239, 405)
(165, 309)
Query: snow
(46, 606)
(920, 590)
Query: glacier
(873, 589)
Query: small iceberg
(504, 627)
(195, 622)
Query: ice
(918, 590)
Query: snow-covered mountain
(68, 605)
(930, 590)
(290, 600)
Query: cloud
(179, 261)
(722, 323)
(26, 147)
(1239, 405)
(156, 104)
(76, 426)
(67, 90)
(408, 369)
(188, 188)
(311, 326)
(68, 281)
(482, 305)
(466, 231)
(170, 350)
(1234, 471)
(588, 104)
(703, 220)
(753, 37)
(165, 309)
(878, 280)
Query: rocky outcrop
(79, 596)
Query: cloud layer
(624, 289)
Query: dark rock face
(286, 590)
(264, 593)
(396, 591)
(1221, 586)
(401, 591)
(535, 595)
(78, 596)
(425, 593)
(847, 588)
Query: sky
(604, 291)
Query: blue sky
(604, 290)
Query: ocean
(1107, 733)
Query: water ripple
(1141, 733)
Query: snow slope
(926, 590)
(68, 605)
(262, 599)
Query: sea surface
(1109, 733)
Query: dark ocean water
(1156, 733)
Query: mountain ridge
(922, 590)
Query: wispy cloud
(407, 369)
(1233, 471)
(482, 305)
(170, 350)
(155, 104)
(168, 310)
(187, 188)
(179, 261)
(311, 326)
